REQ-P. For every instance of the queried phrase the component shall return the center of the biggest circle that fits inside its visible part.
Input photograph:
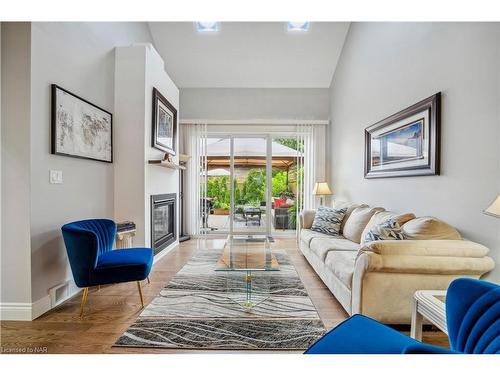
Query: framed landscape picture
(80, 129)
(164, 124)
(406, 143)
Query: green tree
(279, 183)
(290, 142)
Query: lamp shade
(322, 188)
(494, 208)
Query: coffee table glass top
(244, 254)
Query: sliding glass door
(250, 174)
(251, 184)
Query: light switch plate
(55, 177)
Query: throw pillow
(357, 221)
(327, 220)
(429, 228)
(350, 207)
(382, 217)
(388, 230)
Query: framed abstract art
(164, 124)
(79, 128)
(406, 143)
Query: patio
(250, 161)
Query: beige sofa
(379, 278)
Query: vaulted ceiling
(250, 54)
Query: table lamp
(322, 189)
(494, 208)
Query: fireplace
(163, 221)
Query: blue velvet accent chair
(89, 244)
(473, 319)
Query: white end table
(124, 239)
(428, 304)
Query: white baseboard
(165, 251)
(15, 311)
(31, 311)
(40, 307)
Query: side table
(124, 239)
(428, 304)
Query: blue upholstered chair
(93, 262)
(473, 319)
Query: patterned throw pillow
(388, 230)
(327, 220)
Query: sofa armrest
(307, 218)
(442, 248)
(425, 257)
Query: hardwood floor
(113, 308)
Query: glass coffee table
(248, 256)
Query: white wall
(245, 104)
(139, 68)
(15, 158)
(385, 67)
(159, 180)
(80, 58)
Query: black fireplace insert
(163, 221)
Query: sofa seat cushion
(341, 263)
(322, 246)
(118, 266)
(307, 235)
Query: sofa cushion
(341, 263)
(388, 230)
(382, 217)
(321, 246)
(327, 220)
(429, 228)
(350, 207)
(306, 235)
(357, 221)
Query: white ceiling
(250, 54)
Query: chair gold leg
(140, 293)
(149, 281)
(98, 287)
(84, 301)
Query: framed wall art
(406, 143)
(79, 128)
(164, 130)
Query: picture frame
(79, 128)
(164, 124)
(407, 143)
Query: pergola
(249, 152)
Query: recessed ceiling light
(207, 27)
(297, 26)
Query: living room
(246, 186)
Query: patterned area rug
(201, 309)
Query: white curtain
(195, 138)
(306, 136)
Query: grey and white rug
(199, 309)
